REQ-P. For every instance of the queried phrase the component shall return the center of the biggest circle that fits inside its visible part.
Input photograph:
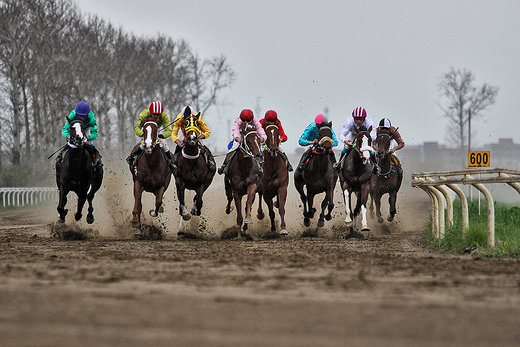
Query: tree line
(53, 56)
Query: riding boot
(286, 159)
(303, 160)
(133, 155)
(171, 163)
(226, 161)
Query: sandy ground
(109, 289)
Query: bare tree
(463, 102)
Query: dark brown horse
(389, 178)
(318, 176)
(192, 173)
(356, 172)
(243, 176)
(76, 173)
(275, 178)
(153, 174)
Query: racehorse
(76, 173)
(318, 176)
(243, 176)
(192, 171)
(387, 180)
(151, 175)
(355, 175)
(275, 178)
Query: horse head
(273, 139)
(251, 143)
(363, 144)
(325, 140)
(150, 128)
(383, 140)
(191, 129)
(76, 131)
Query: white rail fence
(14, 196)
(436, 185)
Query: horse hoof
(321, 223)
(181, 233)
(365, 228)
(138, 234)
(77, 216)
(152, 213)
(380, 219)
(260, 216)
(348, 224)
(90, 219)
(307, 222)
(193, 211)
(186, 216)
(328, 217)
(248, 221)
(390, 218)
(161, 209)
(61, 220)
(135, 224)
(283, 232)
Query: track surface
(382, 290)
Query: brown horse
(152, 174)
(192, 173)
(318, 176)
(275, 178)
(356, 172)
(243, 176)
(389, 178)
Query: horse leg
(303, 198)
(282, 197)
(61, 205)
(251, 193)
(197, 201)
(310, 201)
(324, 203)
(270, 207)
(238, 206)
(392, 199)
(158, 201)
(377, 200)
(346, 200)
(362, 200)
(82, 198)
(183, 211)
(96, 184)
(229, 196)
(260, 213)
(371, 207)
(330, 204)
(138, 207)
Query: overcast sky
(298, 57)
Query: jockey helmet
(188, 111)
(246, 115)
(271, 115)
(359, 112)
(385, 123)
(82, 109)
(321, 118)
(156, 107)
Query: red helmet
(271, 115)
(246, 115)
(359, 112)
(156, 108)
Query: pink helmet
(156, 108)
(320, 119)
(359, 112)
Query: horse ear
(198, 115)
(329, 124)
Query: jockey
(245, 116)
(84, 113)
(385, 127)
(310, 137)
(351, 128)
(201, 129)
(156, 112)
(270, 118)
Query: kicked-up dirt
(108, 289)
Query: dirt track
(112, 290)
